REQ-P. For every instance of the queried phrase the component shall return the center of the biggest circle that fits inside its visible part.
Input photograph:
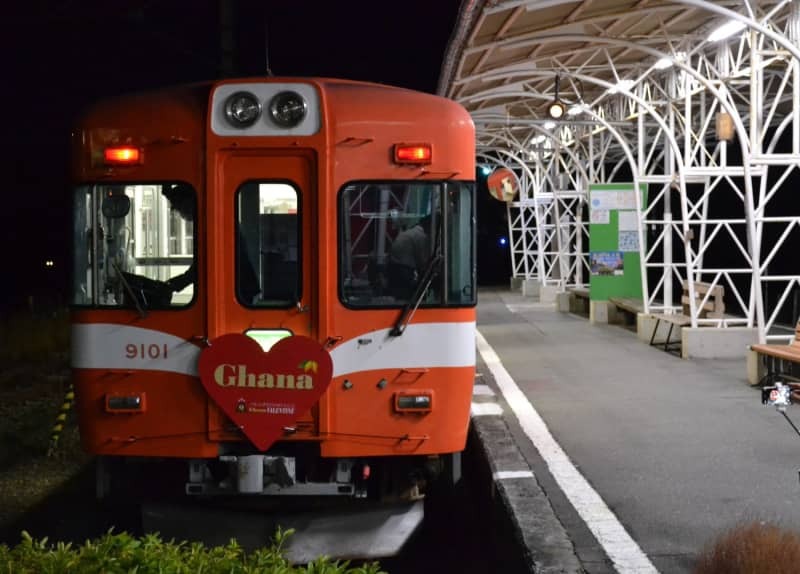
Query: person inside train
(408, 257)
(140, 290)
(181, 198)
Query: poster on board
(626, 200)
(600, 216)
(628, 241)
(627, 221)
(603, 200)
(607, 262)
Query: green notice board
(614, 241)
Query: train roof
(191, 99)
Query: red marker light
(122, 155)
(413, 153)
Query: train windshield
(392, 234)
(134, 245)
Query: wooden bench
(630, 308)
(776, 357)
(680, 320)
(711, 305)
(708, 299)
(580, 297)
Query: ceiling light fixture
(728, 29)
(664, 63)
(556, 108)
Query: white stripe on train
(111, 346)
(423, 345)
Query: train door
(262, 255)
(261, 279)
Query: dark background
(61, 55)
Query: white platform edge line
(484, 409)
(482, 391)
(506, 474)
(623, 551)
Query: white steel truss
(709, 124)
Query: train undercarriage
(342, 508)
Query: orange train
(274, 281)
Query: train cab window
(267, 245)
(405, 240)
(134, 245)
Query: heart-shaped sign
(263, 393)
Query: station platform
(611, 455)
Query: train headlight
(288, 109)
(132, 403)
(413, 401)
(242, 109)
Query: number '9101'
(145, 351)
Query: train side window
(268, 269)
(134, 245)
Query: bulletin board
(614, 259)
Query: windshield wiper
(423, 286)
(139, 307)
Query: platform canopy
(696, 101)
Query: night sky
(62, 55)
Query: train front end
(241, 305)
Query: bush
(122, 553)
(755, 548)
